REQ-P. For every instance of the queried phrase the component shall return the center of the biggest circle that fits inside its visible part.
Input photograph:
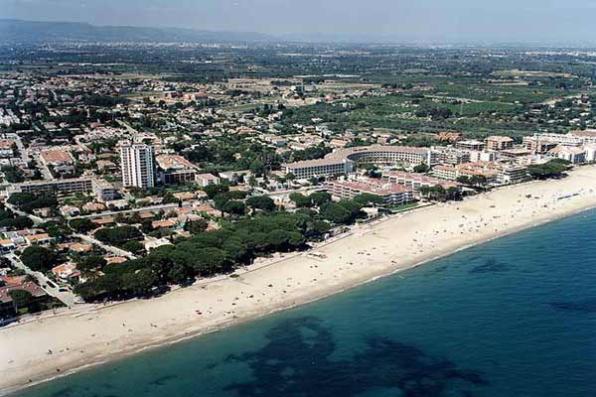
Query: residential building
(138, 166)
(319, 168)
(498, 142)
(392, 193)
(104, 190)
(470, 144)
(415, 181)
(62, 186)
(175, 169)
(206, 179)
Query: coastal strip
(57, 345)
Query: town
(118, 185)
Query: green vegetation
(12, 174)
(118, 235)
(552, 169)
(28, 202)
(82, 225)
(10, 221)
(220, 251)
(39, 258)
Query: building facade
(138, 166)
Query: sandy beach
(54, 345)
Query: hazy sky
(437, 20)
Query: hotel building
(344, 161)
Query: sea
(512, 317)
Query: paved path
(64, 295)
(109, 248)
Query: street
(50, 287)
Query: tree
(234, 207)
(196, 226)
(140, 282)
(134, 247)
(82, 225)
(20, 298)
(264, 203)
(300, 200)
(365, 199)
(552, 169)
(118, 235)
(19, 222)
(257, 168)
(214, 190)
(209, 261)
(90, 263)
(320, 198)
(421, 168)
(38, 258)
(335, 213)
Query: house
(41, 238)
(206, 179)
(66, 271)
(7, 306)
(115, 260)
(164, 224)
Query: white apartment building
(138, 166)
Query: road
(109, 248)
(163, 207)
(35, 219)
(50, 287)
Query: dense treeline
(29, 202)
(220, 251)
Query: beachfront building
(344, 161)
(538, 144)
(388, 155)
(391, 193)
(138, 166)
(415, 181)
(498, 142)
(574, 155)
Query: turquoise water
(513, 317)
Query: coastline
(95, 335)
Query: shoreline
(102, 334)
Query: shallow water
(513, 317)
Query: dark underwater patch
(296, 362)
(163, 380)
(489, 266)
(583, 306)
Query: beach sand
(54, 345)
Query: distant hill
(18, 31)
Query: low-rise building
(205, 180)
(498, 142)
(391, 193)
(574, 155)
(175, 169)
(470, 144)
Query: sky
(502, 21)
